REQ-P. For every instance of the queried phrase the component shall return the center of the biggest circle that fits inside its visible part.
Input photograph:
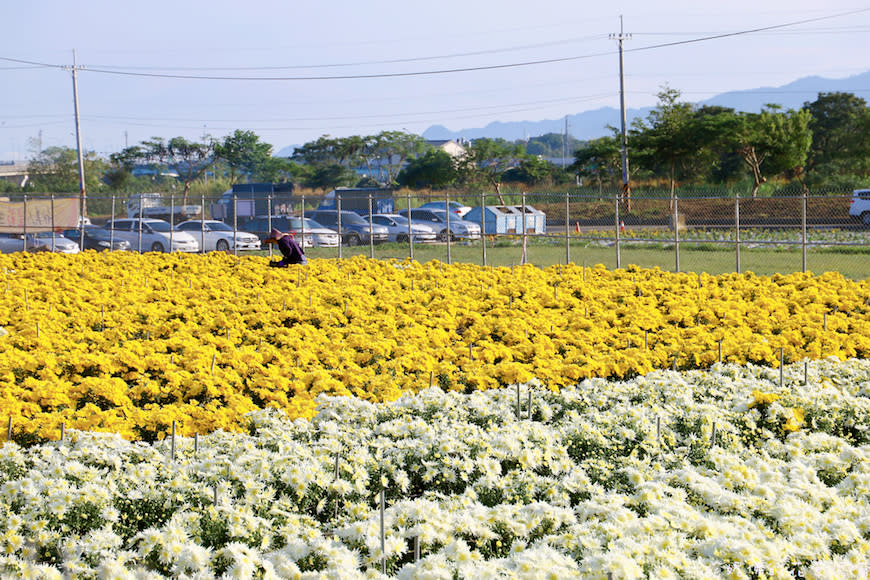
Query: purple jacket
(291, 251)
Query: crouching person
(292, 251)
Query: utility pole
(626, 189)
(82, 193)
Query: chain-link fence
(700, 234)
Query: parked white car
(397, 228)
(152, 235)
(860, 206)
(37, 242)
(437, 218)
(216, 236)
(57, 243)
(309, 231)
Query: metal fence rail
(796, 233)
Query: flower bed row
(698, 474)
(129, 344)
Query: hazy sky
(293, 71)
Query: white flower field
(735, 472)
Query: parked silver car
(309, 231)
(437, 218)
(37, 242)
(354, 229)
(56, 242)
(152, 235)
(398, 228)
(214, 235)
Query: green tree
(663, 143)
(551, 145)
(600, 161)
(329, 176)
(710, 133)
(841, 142)
(435, 169)
(773, 142)
(243, 154)
(188, 159)
(533, 170)
(391, 149)
(121, 164)
(56, 170)
(486, 160)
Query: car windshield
(219, 227)
(311, 225)
(352, 218)
(159, 226)
(401, 220)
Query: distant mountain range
(591, 124)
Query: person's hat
(276, 233)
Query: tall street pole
(82, 193)
(621, 37)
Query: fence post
(202, 223)
(371, 230)
(449, 233)
(483, 226)
(804, 232)
(737, 228)
(567, 228)
(139, 225)
(171, 219)
(236, 223)
(676, 235)
(112, 231)
(25, 222)
(525, 233)
(616, 226)
(410, 231)
(338, 218)
(52, 224)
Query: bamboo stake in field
(172, 444)
(383, 536)
(781, 361)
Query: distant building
(450, 146)
(15, 172)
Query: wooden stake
(383, 536)
(659, 431)
(172, 447)
(530, 404)
(781, 361)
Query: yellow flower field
(130, 344)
